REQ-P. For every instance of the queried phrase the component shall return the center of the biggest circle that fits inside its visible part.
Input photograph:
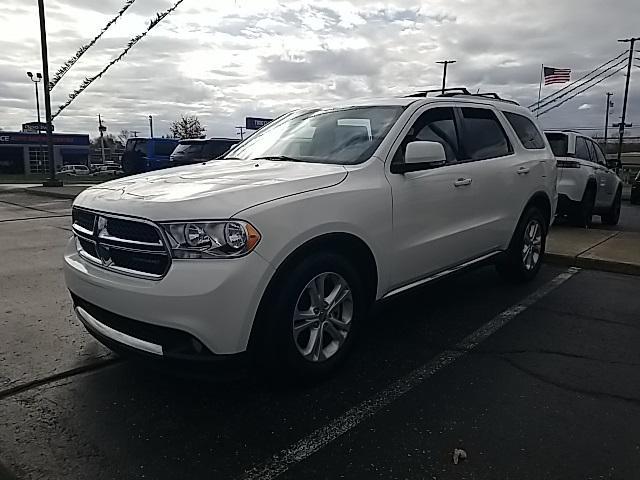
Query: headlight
(224, 239)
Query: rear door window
(483, 135)
(582, 151)
(599, 155)
(526, 130)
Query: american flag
(556, 75)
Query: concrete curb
(592, 264)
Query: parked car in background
(146, 154)
(635, 190)
(201, 150)
(586, 184)
(113, 169)
(280, 249)
(75, 170)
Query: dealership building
(26, 153)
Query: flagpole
(540, 90)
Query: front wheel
(523, 258)
(316, 310)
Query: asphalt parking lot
(536, 381)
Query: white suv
(75, 169)
(586, 184)
(279, 250)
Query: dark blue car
(146, 154)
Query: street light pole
(444, 73)
(151, 125)
(35, 83)
(52, 181)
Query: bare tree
(187, 127)
(123, 136)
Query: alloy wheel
(532, 244)
(322, 317)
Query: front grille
(134, 231)
(128, 246)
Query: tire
(584, 214)
(287, 345)
(522, 260)
(613, 215)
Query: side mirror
(421, 155)
(612, 164)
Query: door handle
(461, 182)
(523, 170)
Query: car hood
(216, 189)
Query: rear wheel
(313, 318)
(523, 258)
(613, 215)
(584, 214)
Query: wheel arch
(348, 245)
(540, 200)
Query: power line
(558, 92)
(582, 91)
(71, 62)
(89, 80)
(577, 86)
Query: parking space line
(323, 436)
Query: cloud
(224, 60)
(319, 64)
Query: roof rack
(441, 91)
(454, 92)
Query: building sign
(21, 138)
(253, 123)
(32, 127)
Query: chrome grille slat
(130, 252)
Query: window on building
(38, 160)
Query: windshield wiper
(284, 158)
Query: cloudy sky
(225, 59)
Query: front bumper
(211, 301)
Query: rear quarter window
(526, 131)
(559, 143)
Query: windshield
(341, 136)
(558, 142)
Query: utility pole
(606, 123)
(151, 125)
(631, 42)
(102, 129)
(52, 181)
(444, 73)
(241, 132)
